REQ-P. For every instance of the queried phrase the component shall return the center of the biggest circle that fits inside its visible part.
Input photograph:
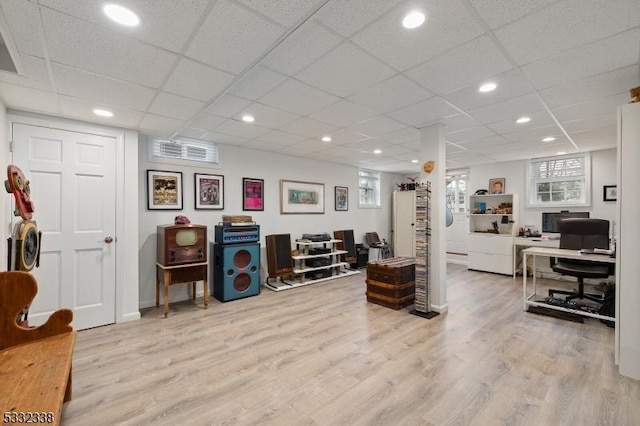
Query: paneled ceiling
(344, 68)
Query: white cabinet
(490, 251)
(403, 223)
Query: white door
(404, 213)
(72, 180)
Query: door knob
(108, 240)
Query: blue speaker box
(236, 270)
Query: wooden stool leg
(193, 290)
(157, 289)
(206, 291)
(167, 278)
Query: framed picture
(164, 190)
(496, 186)
(301, 197)
(610, 193)
(252, 194)
(209, 192)
(342, 198)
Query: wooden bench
(35, 363)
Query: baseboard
(132, 316)
(457, 262)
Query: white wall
(5, 201)
(236, 163)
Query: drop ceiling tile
(507, 110)
(298, 98)
(269, 117)
(391, 94)
(28, 99)
(538, 119)
(257, 83)
(309, 128)
(459, 121)
(241, 38)
(169, 105)
(308, 145)
(592, 108)
(377, 126)
(468, 64)
(165, 24)
(228, 106)
(497, 13)
(261, 145)
(470, 134)
(534, 135)
(372, 144)
(192, 133)
(565, 25)
(591, 123)
(337, 151)
(285, 12)
(342, 114)
(341, 71)
(207, 122)
(308, 43)
(511, 84)
(81, 109)
(197, 81)
(23, 19)
(591, 88)
(601, 138)
(605, 55)
(482, 143)
(407, 134)
(98, 88)
(160, 126)
(225, 139)
(345, 136)
(280, 138)
(72, 42)
(241, 129)
(429, 111)
(449, 24)
(35, 75)
(347, 17)
(452, 149)
(396, 151)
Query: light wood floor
(322, 355)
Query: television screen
(551, 221)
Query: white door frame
(127, 294)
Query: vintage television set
(551, 221)
(181, 244)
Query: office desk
(520, 242)
(534, 252)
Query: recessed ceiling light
(102, 112)
(414, 161)
(248, 118)
(523, 120)
(413, 20)
(377, 151)
(549, 139)
(487, 87)
(561, 153)
(326, 138)
(121, 15)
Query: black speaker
(236, 271)
(279, 261)
(348, 244)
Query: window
(183, 150)
(369, 188)
(560, 181)
(457, 183)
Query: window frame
(376, 190)
(457, 176)
(585, 179)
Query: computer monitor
(551, 221)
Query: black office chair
(373, 241)
(576, 234)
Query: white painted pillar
(432, 148)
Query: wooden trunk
(391, 282)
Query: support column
(433, 148)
